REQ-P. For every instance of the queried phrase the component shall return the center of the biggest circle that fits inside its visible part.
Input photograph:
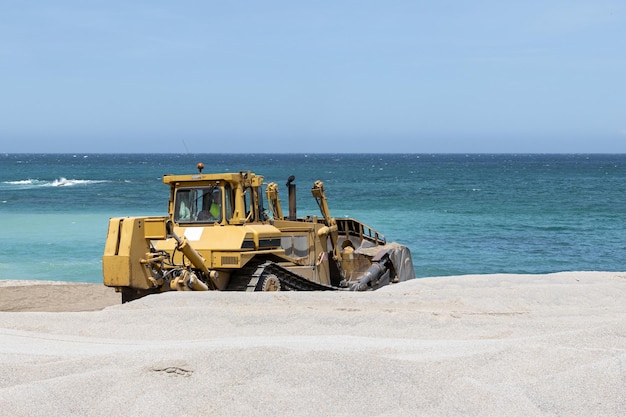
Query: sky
(536, 76)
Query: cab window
(198, 205)
(228, 202)
(182, 212)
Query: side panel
(305, 247)
(126, 245)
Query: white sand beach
(488, 345)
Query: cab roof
(246, 177)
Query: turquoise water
(459, 214)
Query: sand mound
(515, 345)
(55, 296)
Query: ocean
(458, 213)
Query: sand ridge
(470, 345)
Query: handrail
(353, 227)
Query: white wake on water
(60, 182)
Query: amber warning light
(200, 167)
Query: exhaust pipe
(292, 197)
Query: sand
(492, 345)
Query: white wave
(60, 182)
(21, 182)
(64, 182)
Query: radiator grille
(230, 260)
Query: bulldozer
(219, 235)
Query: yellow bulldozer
(219, 235)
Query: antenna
(186, 148)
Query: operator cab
(216, 205)
(204, 199)
(202, 205)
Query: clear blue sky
(323, 76)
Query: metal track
(247, 279)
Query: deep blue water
(459, 214)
